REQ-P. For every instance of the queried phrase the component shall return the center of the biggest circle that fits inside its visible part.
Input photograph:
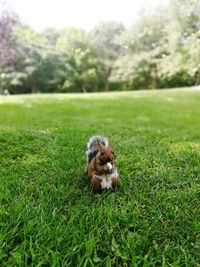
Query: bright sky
(79, 13)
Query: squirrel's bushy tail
(93, 146)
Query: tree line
(160, 50)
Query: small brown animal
(101, 166)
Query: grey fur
(93, 146)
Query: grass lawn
(49, 217)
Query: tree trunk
(107, 85)
(154, 81)
(197, 82)
(84, 87)
(96, 87)
(34, 90)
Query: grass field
(49, 217)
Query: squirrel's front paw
(108, 167)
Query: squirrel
(101, 167)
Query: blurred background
(91, 46)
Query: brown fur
(95, 185)
(114, 183)
(98, 167)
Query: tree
(163, 48)
(160, 50)
(146, 44)
(104, 38)
(8, 55)
(51, 35)
(81, 65)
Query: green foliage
(105, 39)
(162, 49)
(81, 64)
(49, 217)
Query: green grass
(49, 217)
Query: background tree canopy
(161, 50)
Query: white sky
(85, 14)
